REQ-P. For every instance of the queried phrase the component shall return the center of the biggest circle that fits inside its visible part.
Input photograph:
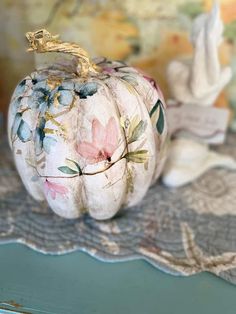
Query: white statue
(197, 82)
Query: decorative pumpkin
(87, 137)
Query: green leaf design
(73, 165)
(132, 125)
(24, 133)
(160, 121)
(155, 107)
(138, 156)
(137, 131)
(67, 170)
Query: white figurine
(197, 82)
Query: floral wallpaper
(146, 33)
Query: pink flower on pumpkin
(109, 70)
(104, 142)
(53, 189)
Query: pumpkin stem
(42, 41)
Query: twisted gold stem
(42, 41)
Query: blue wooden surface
(76, 284)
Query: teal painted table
(76, 284)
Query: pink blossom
(53, 189)
(104, 142)
(109, 70)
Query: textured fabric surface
(181, 231)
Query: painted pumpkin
(87, 137)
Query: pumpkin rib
(84, 175)
(125, 139)
(69, 205)
(106, 204)
(142, 96)
(107, 87)
(26, 148)
(35, 157)
(80, 208)
(118, 111)
(84, 195)
(158, 140)
(129, 168)
(108, 92)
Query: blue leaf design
(40, 98)
(40, 85)
(66, 85)
(65, 98)
(85, 90)
(48, 142)
(20, 88)
(35, 178)
(24, 133)
(39, 135)
(16, 124)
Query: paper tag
(209, 124)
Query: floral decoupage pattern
(88, 144)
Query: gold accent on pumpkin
(50, 117)
(42, 41)
(129, 181)
(62, 129)
(49, 131)
(56, 101)
(53, 81)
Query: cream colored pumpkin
(90, 141)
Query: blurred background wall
(147, 33)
